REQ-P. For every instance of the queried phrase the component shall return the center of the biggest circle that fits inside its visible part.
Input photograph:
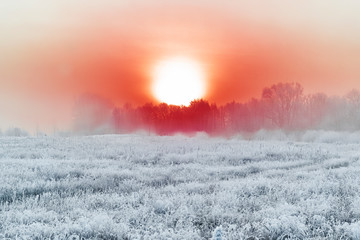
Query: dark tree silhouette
(199, 113)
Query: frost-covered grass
(148, 187)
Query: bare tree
(282, 103)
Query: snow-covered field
(148, 187)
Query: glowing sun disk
(178, 81)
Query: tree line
(281, 106)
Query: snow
(303, 186)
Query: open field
(148, 187)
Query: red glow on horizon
(109, 50)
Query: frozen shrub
(284, 227)
(354, 229)
(74, 237)
(217, 234)
(320, 226)
(162, 206)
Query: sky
(51, 52)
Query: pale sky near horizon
(53, 51)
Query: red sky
(51, 52)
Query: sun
(178, 81)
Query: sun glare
(178, 81)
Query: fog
(54, 52)
(283, 111)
